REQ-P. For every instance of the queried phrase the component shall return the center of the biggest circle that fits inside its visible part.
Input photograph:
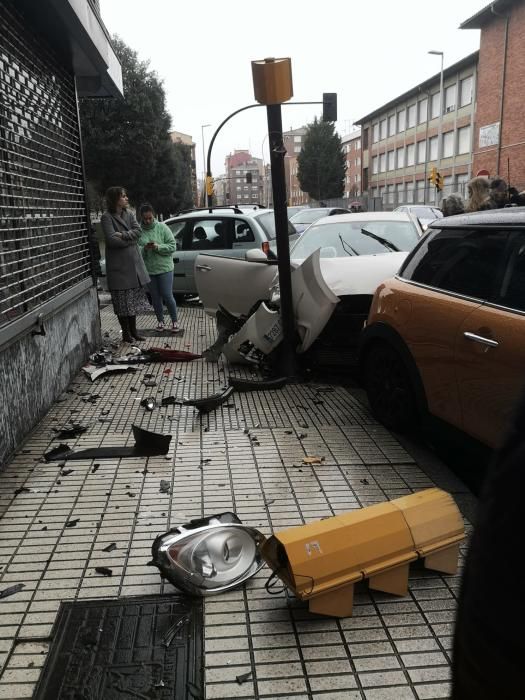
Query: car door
(490, 353)
(179, 277)
(454, 272)
(234, 283)
(210, 234)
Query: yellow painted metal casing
(346, 548)
(272, 80)
(321, 561)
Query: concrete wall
(35, 370)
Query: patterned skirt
(129, 302)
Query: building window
(358, 144)
(411, 119)
(391, 160)
(356, 178)
(461, 184)
(420, 191)
(433, 148)
(382, 163)
(422, 108)
(245, 187)
(450, 98)
(254, 196)
(390, 194)
(400, 157)
(448, 144)
(297, 139)
(421, 151)
(464, 139)
(297, 149)
(392, 125)
(465, 91)
(375, 192)
(375, 133)
(382, 129)
(434, 105)
(375, 165)
(382, 192)
(400, 193)
(410, 192)
(410, 154)
(401, 120)
(238, 187)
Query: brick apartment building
(400, 139)
(352, 150)
(244, 175)
(499, 133)
(293, 142)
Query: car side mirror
(256, 255)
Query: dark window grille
(43, 225)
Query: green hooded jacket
(160, 258)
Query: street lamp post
(440, 122)
(203, 126)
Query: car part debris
(94, 372)
(208, 555)
(72, 523)
(12, 590)
(104, 571)
(171, 633)
(149, 382)
(148, 403)
(168, 401)
(209, 403)
(110, 547)
(240, 384)
(69, 431)
(147, 444)
(165, 486)
(261, 334)
(243, 677)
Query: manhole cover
(148, 648)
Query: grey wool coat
(124, 264)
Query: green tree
(126, 141)
(321, 162)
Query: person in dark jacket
(489, 642)
(125, 270)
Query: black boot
(126, 334)
(133, 328)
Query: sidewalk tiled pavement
(245, 457)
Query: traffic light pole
(209, 182)
(277, 151)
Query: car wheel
(389, 389)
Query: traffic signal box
(210, 186)
(320, 562)
(436, 178)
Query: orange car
(446, 336)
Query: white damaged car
(337, 265)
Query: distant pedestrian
(453, 204)
(157, 244)
(478, 194)
(489, 644)
(499, 193)
(125, 270)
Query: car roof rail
(233, 207)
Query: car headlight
(209, 556)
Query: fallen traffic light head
(209, 555)
(320, 562)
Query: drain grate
(147, 647)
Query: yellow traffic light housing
(433, 176)
(323, 560)
(439, 181)
(210, 190)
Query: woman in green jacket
(158, 246)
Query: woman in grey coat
(125, 269)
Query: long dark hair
(145, 208)
(113, 194)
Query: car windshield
(340, 239)
(425, 213)
(267, 222)
(308, 216)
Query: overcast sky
(367, 52)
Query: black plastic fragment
(110, 547)
(240, 384)
(12, 590)
(243, 677)
(147, 444)
(210, 403)
(104, 570)
(69, 431)
(168, 401)
(72, 523)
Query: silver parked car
(223, 231)
(424, 213)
